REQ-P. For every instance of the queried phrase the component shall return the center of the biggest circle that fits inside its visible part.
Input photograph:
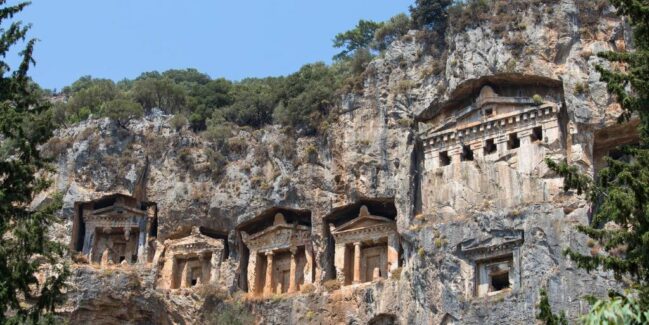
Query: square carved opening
(514, 142)
(490, 147)
(537, 133)
(494, 275)
(444, 159)
(467, 154)
(195, 275)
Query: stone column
(393, 253)
(525, 137)
(184, 277)
(308, 267)
(174, 273)
(142, 251)
(431, 159)
(477, 149)
(251, 272)
(357, 262)
(527, 153)
(205, 267)
(339, 262)
(215, 266)
(455, 155)
(501, 144)
(105, 258)
(483, 281)
(551, 130)
(292, 275)
(88, 241)
(268, 285)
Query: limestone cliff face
(373, 154)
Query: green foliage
(390, 31)
(306, 97)
(86, 96)
(620, 190)
(152, 90)
(616, 310)
(231, 314)
(431, 15)
(537, 99)
(545, 312)
(359, 37)
(218, 129)
(178, 121)
(122, 111)
(25, 248)
(254, 101)
(581, 88)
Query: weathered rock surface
(372, 151)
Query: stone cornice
(116, 207)
(111, 221)
(490, 127)
(279, 237)
(193, 248)
(503, 246)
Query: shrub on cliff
(122, 111)
(359, 37)
(431, 15)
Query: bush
(396, 273)
(307, 288)
(403, 87)
(331, 285)
(231, 314)
(217, 162)
(390, 31)
(311, 153)
(581, 88)
(122, 111)
(212, 291)
(537, 99)
(185, 157)
(178, 121)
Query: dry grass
(331, 285)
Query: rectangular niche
(495, 261)
(514, 142)
(494, 275)
(467, 154)
(490, 147)
(537, 133)
(444, 159)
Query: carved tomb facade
(190, 261)
(280, 258)
(366, 248)
(114, 229)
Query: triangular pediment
(118, 209)
(278, 228)
(364, 222)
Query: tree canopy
(25, 248)
(619, 192)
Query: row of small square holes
(490, 147)
(490, 125)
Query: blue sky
(119, 39)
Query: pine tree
(430, 14)
(25, 248)
(621, 190)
